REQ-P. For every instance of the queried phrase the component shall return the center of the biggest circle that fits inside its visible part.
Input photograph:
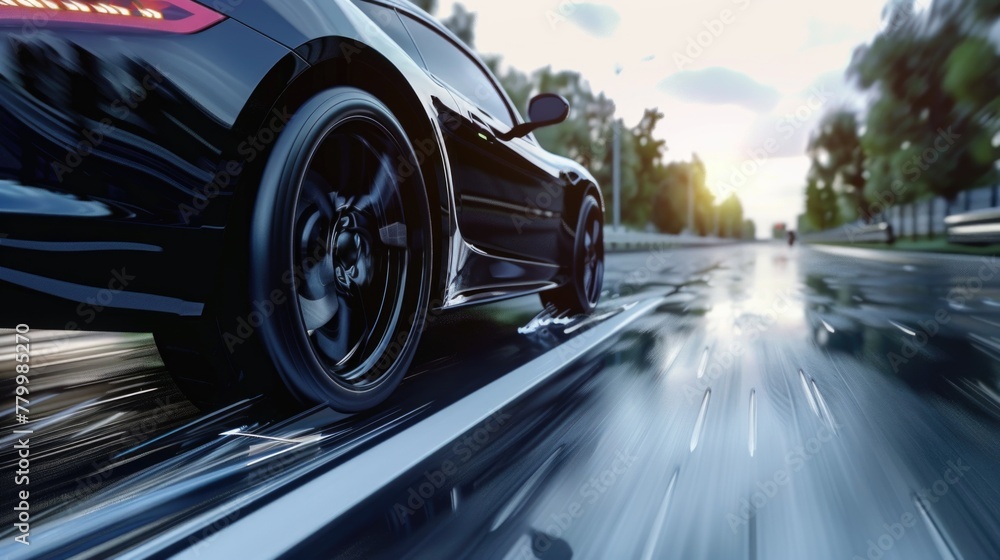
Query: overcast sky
(734, 89)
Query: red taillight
(172, 16)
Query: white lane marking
(905, 330)
(699, 425)
(100, 424)
(454, 499)
(522, 493)
(310, 507)
(940, 541)
(827, 416)
(809, 395)
(296, 441)
(661, 518)
(704, 363)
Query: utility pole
(618, 174)
(617, 159)
(690, 221)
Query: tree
(670, 206)
(933, 77)
(649, 171)
(704, 200)
(462, 23)
(652, 191)
(822, 209)
(838, 159)
(429, 6)
(731, 223)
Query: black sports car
(277, 189)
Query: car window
(454, 67)
(388, 20)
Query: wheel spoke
(595, 293)
(341, 338)
(381, 185)
(345, 162)
(317, 313)
(353, 225)
(316, 197)
(365, 322)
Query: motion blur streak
(830, 431)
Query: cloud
(721, 86)
(788, 127)
(597, 19)
(822, 33)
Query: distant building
(780, 230)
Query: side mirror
(544, 110)
(547, 109)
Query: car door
(510, 199)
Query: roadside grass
(925, 245)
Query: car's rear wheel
(335, 282)
(581, 294)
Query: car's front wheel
(333, 289)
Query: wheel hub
(351, 254)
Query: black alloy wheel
(582, 293)
(337, 274)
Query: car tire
(332, 286)
(582, 292)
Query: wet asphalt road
(749, 401)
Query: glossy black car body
(129, 156)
